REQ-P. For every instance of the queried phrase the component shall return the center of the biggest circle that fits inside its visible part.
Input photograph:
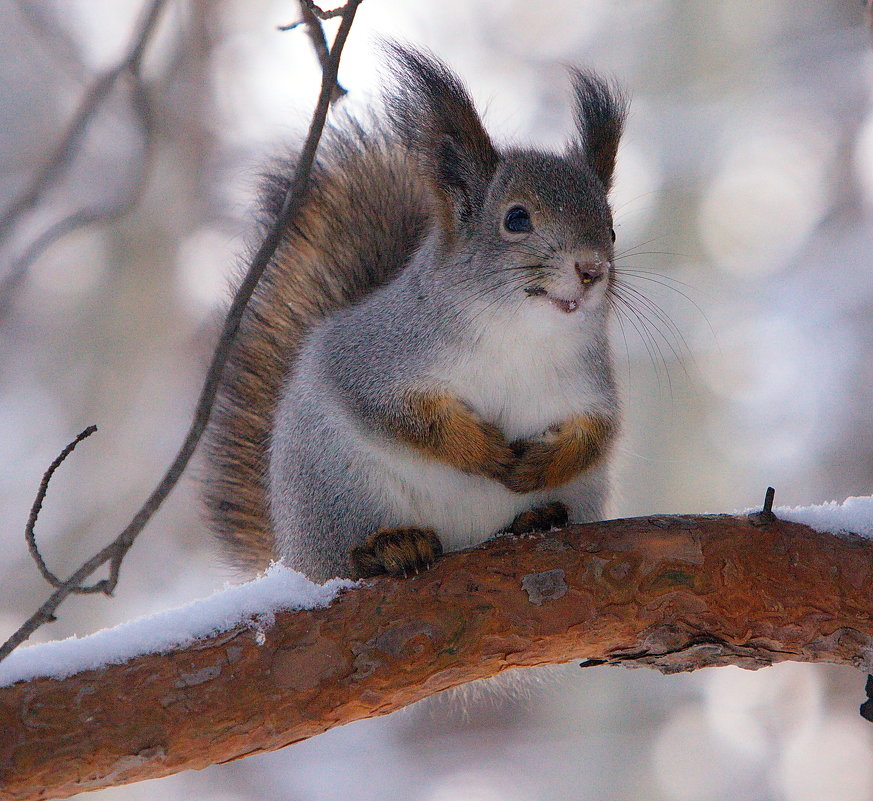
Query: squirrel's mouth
(566, 305)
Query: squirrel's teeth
(566, 306)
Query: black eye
(612, 233)
(517, 220)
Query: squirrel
(425, 363)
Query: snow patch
(853, 514)
(254, 603)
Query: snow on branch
(670, 592)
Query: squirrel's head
(535, 227)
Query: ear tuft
(601, 109)
(431, 112)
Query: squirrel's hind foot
(540, 518)
(396, 551)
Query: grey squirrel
(425, 363)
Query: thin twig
(115, 552)
(29, 533)
(315, 30)
(316, 11)
(69, 144)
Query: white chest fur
(464, 510)
(524, 377)
(527, 373)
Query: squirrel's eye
(517, 220)
(612, 233)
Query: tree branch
(308, 6)
(315, 30)
(115, 551)
(311, 18)
(673, 593)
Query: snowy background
(745, 181)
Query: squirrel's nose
(589, 273)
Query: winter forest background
(745, 183)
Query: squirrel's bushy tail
(365, 213)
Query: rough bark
(674, 593)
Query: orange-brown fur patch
(446, 429)
(563, 452)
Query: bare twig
(315, 30)
(316, 11)
(115, 552)
(30, 534)
(319, 43)
(69, 144)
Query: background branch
(669, 592)
(83, 218)
(115, 552)
(53, 37)
(67, 148)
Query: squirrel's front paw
(448, 429)
(560, 454)
(498, 459)
(532, 469)
(396, 551)
(540, 518)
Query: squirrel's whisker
(651, 345)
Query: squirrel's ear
(600, 110)
(432, 114)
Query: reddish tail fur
(365, 214)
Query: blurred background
(744, 200)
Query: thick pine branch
(675, 593)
